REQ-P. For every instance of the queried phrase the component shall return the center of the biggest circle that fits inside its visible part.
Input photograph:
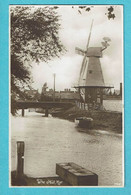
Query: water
(113, 105)
(50, 140)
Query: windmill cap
(94, 52)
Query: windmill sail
(84, 62)
(79, 51)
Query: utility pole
(54, 88)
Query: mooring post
(23, 112)
(46, 112)
(20, 160)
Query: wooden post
(20, 160)
(79, 105)
(23, 112)
(46, 112)
(101, 96)
(121, 89)
(54, 88)
(86, 106)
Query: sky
(74, 32)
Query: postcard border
(4, 102)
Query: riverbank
(102, 120)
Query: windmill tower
(91, 80)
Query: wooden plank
(76, 175)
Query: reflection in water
(50, 140)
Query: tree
(34, 37)
(110, 10)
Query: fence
(89, 106)
(82, 106)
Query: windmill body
(94, 75)
(91, 80)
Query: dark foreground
(68, 173)
(43, 181)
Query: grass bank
(102, 120)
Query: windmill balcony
(83, 85)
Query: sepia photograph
(66, 78)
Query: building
(69, 96)
(62, 96)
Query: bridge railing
(33, 104)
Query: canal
(51, 140)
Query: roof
(70, 95)
(31, 92)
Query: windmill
(91, 80)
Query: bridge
(45, 105)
